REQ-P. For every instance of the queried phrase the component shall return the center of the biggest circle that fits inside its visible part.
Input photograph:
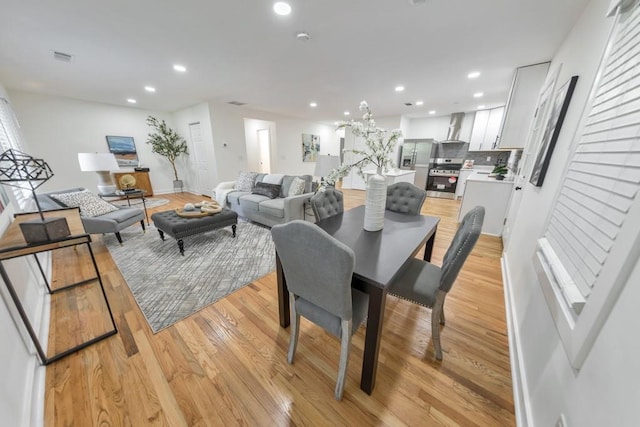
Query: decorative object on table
(124, 149)
(102, 164)
(21, 170)
(552, 131)
(310, 147)
(189, 207)
(127, 182)
(169, 287)
(167, 143)
(324, 165)
(380, 147)
(500, 171)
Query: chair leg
(436, 316)
(295, 328)
(345, 348)
(442, 320)
(119, 237)
(144, 230)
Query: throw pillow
(245, 181)
(296, 187)
(265, 189)
(90, 204)
(273, 178)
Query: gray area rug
(169, 287)
(153, 202)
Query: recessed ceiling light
(150, 88)
(473, 75)
(282, 8)
(399, 88)
(432, 112)
(131, 101)
(313, 104)
(418, 103)
(303, 36)
(346, 113)
(480, 107)
(478, 95)
(180, 68)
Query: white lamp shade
(325, 164)
(95, 162)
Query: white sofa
(262, 209)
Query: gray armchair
(318, 270)
(405, 197)
(327, 203)
(110, 222)
(426, 284)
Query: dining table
(379, 257)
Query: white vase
(376, 200)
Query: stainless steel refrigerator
(415, 155)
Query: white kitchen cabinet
(462, 179)
(486, 129)
(480, 190)
(521, 105)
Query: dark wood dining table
(380, 255)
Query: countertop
(484, 177)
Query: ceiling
(239, 50)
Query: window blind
(10, 138)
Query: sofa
(267, 199)
(97, 215)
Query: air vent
(238, 103)
(408, 104)
(61, 56)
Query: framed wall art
(552, 131)
(310, 147)
(124, 149)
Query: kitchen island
(484, 190)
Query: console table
(129, 194)
(13, 245)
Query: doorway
(264, 148)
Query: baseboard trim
(521, 398)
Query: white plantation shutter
(593, 214)
(10, 138)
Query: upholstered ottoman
(178, 227)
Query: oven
(443, 178)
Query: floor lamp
(102, 164)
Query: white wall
(605, 391)
(57, 129)
(22, 385)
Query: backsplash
(461, 151)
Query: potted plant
(166, 142)
(500, 171)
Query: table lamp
(21, 170)
(103, 164)
(325, 164)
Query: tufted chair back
(405, 197)
(327, 203)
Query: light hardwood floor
(227, 364)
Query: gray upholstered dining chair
(426, 284)
(326, 203)
(318, 270)
(405, 197)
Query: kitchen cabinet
(521, 105)
(462, 179)
(486, 129)
(480, 190)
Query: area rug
(153, 202)
(169, 287)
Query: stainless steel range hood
(455, 125)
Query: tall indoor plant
(166, 142)
(379, 148)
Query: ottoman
(178, 227)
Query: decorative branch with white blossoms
(380, 146)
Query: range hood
(455, 125)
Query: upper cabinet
(485, 133)
(521, 105)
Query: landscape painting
(124, 149)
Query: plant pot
(499, 177)
(177, 185)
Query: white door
(199, 160)
(264, 145)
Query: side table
(12, 245)
(129, 194)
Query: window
(10, 138)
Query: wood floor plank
(226, 364)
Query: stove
(443, 177)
